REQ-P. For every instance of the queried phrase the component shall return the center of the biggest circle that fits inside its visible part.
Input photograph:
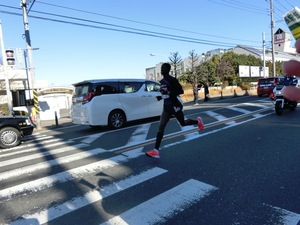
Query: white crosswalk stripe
(91, 197)
(163, 206)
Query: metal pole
(28, 43)
(29, 57)
(26, 68)
(272, 38)
(264, 53)
(8, 92)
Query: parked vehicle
(113, 102)
(12, 129)
(282, 103)
(266, 85)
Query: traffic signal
(10, 57)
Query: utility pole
(31, 74)
(272, 37)
(8, 93)
(28, 44)
(264, 53)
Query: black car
(12, 129)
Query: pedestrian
(170, 89)
(195, 91)
(291, 68)
(206, 92)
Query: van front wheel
(116, 119)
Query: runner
(170, 89)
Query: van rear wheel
(116, 119)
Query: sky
(94, 39)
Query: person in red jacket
(170, 89)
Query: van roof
(109, 80)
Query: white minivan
(113, 102)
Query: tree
(278, 66)
(225, 71)
(207, 70)
(192, 72)
(175, 60)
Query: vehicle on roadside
(113, 102)
(266, 85)
(13, 129)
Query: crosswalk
(52, 181)
(186, 193)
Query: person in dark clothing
(170, 89)
(195, 91)
(206, 92)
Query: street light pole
(272, 38)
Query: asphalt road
(243, 168)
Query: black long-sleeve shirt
(170, 89)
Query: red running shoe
(153, 153)
(200, 124)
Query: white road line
(196, 135)
(239, 110)
(41, 155)
(44, 165)
(244, 111)
(33, 145)
(90, 197)
(36, 148)
(288, 218)
(140, 134)
(255, 104)
(134, 153)
(91, 138)
(49, 181)
(164, 206)
(265, 100)
(219, 117)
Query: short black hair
(165, 68)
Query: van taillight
(88, 98)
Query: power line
(149, 34)
(282, 6)
(238, 5)
(143, 23)
(289, 3)
(137, 31)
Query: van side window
(152, 87)
(130, 87)
(105, 88)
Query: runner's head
(165, 69)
